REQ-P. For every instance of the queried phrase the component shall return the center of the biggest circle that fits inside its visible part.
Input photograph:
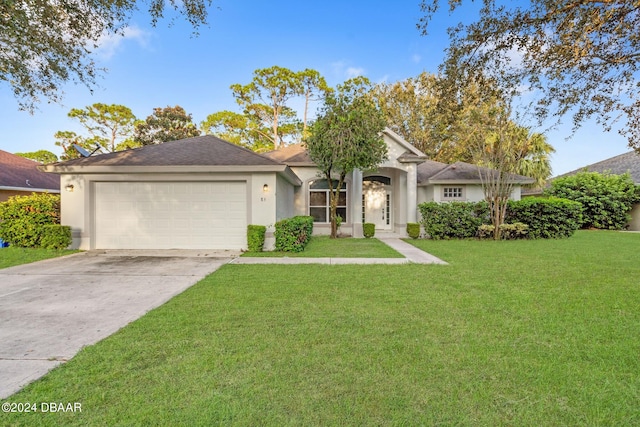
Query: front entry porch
(377, 202)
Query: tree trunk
(333, 209)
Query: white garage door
(170, 215)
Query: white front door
(377, 204)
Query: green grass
(518, 333)
(15, 256)
(323, 246)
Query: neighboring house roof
(20, 174)
(431, 172)
(618, 165)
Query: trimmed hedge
(293, 234)
(413, 230)
(22, 218)
(544, 218)
(547, 218)
(368, 230)
(56, 236)
(255, 237)
(453, 220)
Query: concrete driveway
(50, 309)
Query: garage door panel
(162, 215)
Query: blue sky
(156, 67)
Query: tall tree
(435, 118)
(45, 44)
(498, 147)
(40, 156)
(346, 136)
(582, 56)
(266, 97)
(165, 124)
(240, 129)
(106, 123)
(314, 87)
(536, 160)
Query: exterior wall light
(265, 188)
(69, 188)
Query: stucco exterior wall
(634, 224)
(284, 199)
(471, 192)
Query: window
(319, 200)
(452, 193)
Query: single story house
(20, 177)
(201, 193)
(618, 165)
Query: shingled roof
(431, 172)
(19, 173)
(204, 150)
(292, 155)
(618, 165)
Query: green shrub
(485, 231)
(606, 199)
(546, 217)
(56, 236)
(368, 229)
(255, 237)
(517, 230)
(292, 234)
(22, 218)
(453, 220)
(413, 230)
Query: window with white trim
(452, 193)
(319, 197)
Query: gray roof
(204, 150)
(618, 165)
(18, 172)
(431, 172)
(292, 155)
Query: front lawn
(15, 256)
(523, 333)
(344, 247)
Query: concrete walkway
(412, 255)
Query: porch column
(356, 203)
(412, 193)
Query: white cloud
(109, 44)
(354, 72)
(344, 71)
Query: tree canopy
(45, 44)
(165, 124)
(268, 119)
(266, 98)
(40, 156)
(580, 57)
(445, 122)
(108, 125)
(346, 136)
